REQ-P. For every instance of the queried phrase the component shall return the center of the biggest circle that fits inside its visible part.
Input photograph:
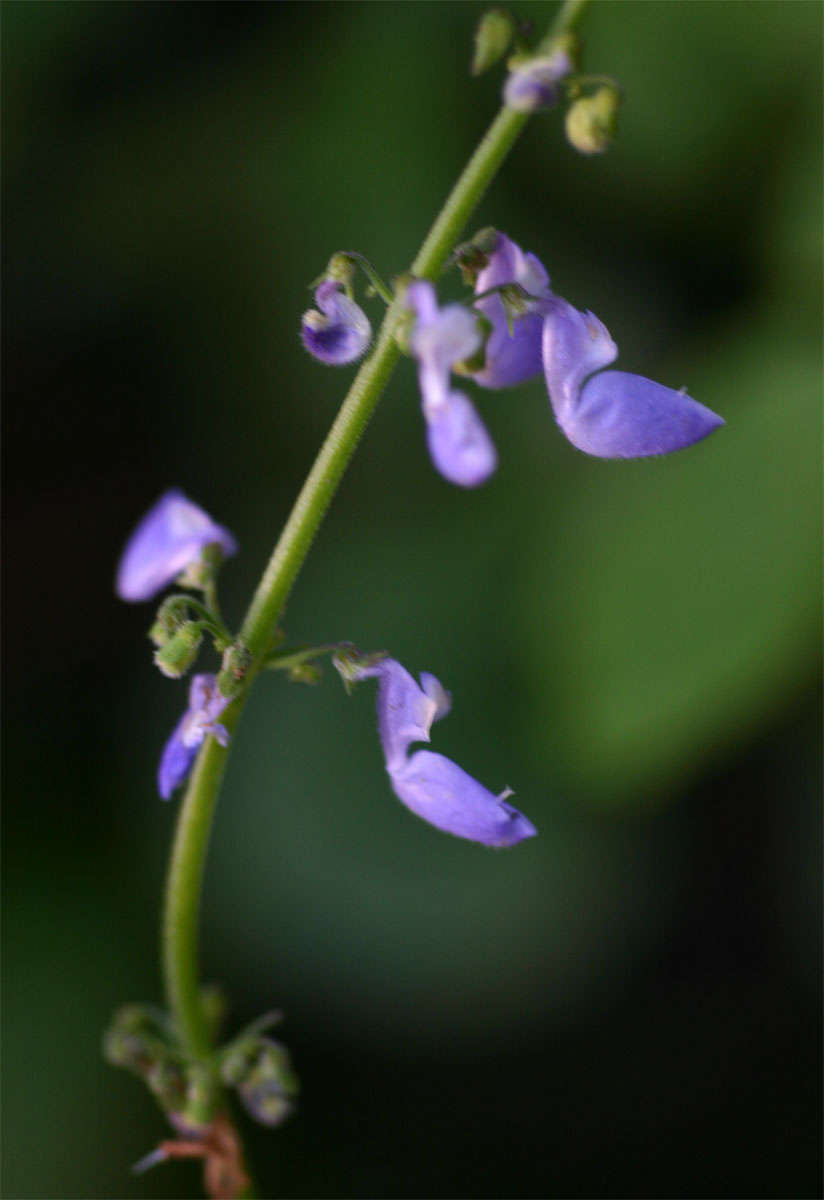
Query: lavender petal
(170, 537)
(442, 793)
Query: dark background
(627, 1005)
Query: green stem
(180, 948)
(183, 888)
(569, 14)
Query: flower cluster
(169, 543)
(166, 546)
(611, 414)
(516, 328)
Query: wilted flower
(460, 447)
(430, 784)
(612, 414)
(206, 703)
(169, 539)
(340, 332)
(535, 83)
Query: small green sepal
(350, 664)
(473, 256)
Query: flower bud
(172, 613)
(535, 83)
(136, 1037)
(492, 38)
(591, 121)
(341, 269)
(237, 659)
(237, 1061)
(267, 1088)
(158, 634)
(179, 653)
(122, 1049)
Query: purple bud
(169, 538)
(511, 357)
(429, 784)
(206, 703)
(340, 332)
(459, 445)
(612, 414)
(535, 84)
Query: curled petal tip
(405, 710)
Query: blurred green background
(627, 1005)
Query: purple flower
(512, 357)
(460, 447)
(206, 703)
(169, 538)
(535, 84)
(612, 414)
(430, 784)
(340, 332)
